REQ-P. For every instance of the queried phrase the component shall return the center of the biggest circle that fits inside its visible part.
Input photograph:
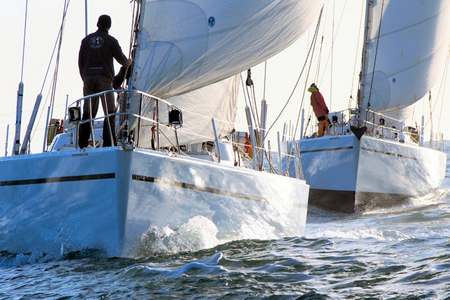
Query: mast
(16, 147)
(86, 17)
(126, 134)
(364, 58)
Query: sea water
(399, 253)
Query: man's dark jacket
(96, 55)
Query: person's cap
(104, 22)
(313, 88)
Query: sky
(44, 19)
(336, 77)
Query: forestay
(185, 45)
(407, 54)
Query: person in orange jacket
(320, 109)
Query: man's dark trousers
(93, 85)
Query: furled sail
(216, 101)
(406, 50)
(185, 45)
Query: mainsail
(189, 52)
(406, 50)
(185, 45)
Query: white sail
(407, 47)
(216, 101)
(185, 45)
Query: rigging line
(249, 85)
(304, 92)
(357, 47)
(300, 75)
(243, 90)
(376, 55)
(248, 101)
(319, 60)
(24, 40)
(265, 80)
(319, 57)
(310, 115)
(440, 112)
(443, 92)
(187, 132)
(430, 103)
(272, 168)
(338, 28)
(302, 102)
(135, 16)
(51, 59)
(170, 142)
(252, 109)
(41, 113)
(58, 57)
(48, 69)
(444, 76)
(133, 29)
(85, 17)
(145, 107)
(332, 56)
(256, 105)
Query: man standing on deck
(96, 63)
(320, 109)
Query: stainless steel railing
(378, 125)
(122, 114)
(148, 114)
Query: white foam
(358, 233)
(413, 204)
(196, 234)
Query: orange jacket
(318, 104)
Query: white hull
(108, 199)
(351, 175)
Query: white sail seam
(405, 28)
(426, 58)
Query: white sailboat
(374, 155)
(165, 172)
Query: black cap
(104, 22)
